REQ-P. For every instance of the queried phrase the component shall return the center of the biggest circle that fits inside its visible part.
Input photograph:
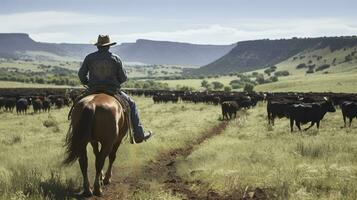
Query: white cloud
(54, 26)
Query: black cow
(10, 104)
(278, 109)
(309, 112)
(2, 102)
(46, 105)
(229, 109)
(22, 106)
(59, 102)
(37, 105)
(349, 109)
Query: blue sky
(194, 21)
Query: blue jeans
(134, 115)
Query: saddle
(114, 92)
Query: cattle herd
(299, 108)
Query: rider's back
(103, 68)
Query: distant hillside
(20, 45)
(258, 54)
(163, 52)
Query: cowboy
(105, 69)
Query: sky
(193, 21)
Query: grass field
(299, 165)
(12, 84)
(308, 165)
(337, 82)
(196, 83)
(31, 153)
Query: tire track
(163, 170)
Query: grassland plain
(31, 149)
(299, 165)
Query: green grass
(31, 149)
(12, 84)
(337, 82)
(307, 165)
(196, 83)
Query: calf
(309, 112)
(349, 109)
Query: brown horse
(97, 118)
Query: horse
(97, 118)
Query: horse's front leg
(83, 163)
(112, 156)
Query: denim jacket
(102, 68)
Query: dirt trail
(163, 170)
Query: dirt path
(163, 170)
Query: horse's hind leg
(99, 163)
(112, 157)
(95, 146)
(83, 163)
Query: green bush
(217, 85)
(248, 88)
(322, 67)
(282, 73)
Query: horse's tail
(79, 134)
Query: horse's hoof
(85, 193)
(107, 181)
(97, 192)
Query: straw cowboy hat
(104, 40)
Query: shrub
(273, 79)
(217, 85)
(282, 73)
(236, 85)
(322, 67)
(348, 58)
(260, 80)
(227, 89)
(248, 88)
(302, 65)
(310, 71)
(204, 83)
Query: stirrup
(146, 137)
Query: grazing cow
(37, 105)
(349, 109)
(22, 106)
(229, 109)
(10, 104)
(309, 112)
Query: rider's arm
(121, 72)
(83, 72)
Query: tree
(248, 88)
(227, 89)
(260, 80)
(217, 85)
(204, 83)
